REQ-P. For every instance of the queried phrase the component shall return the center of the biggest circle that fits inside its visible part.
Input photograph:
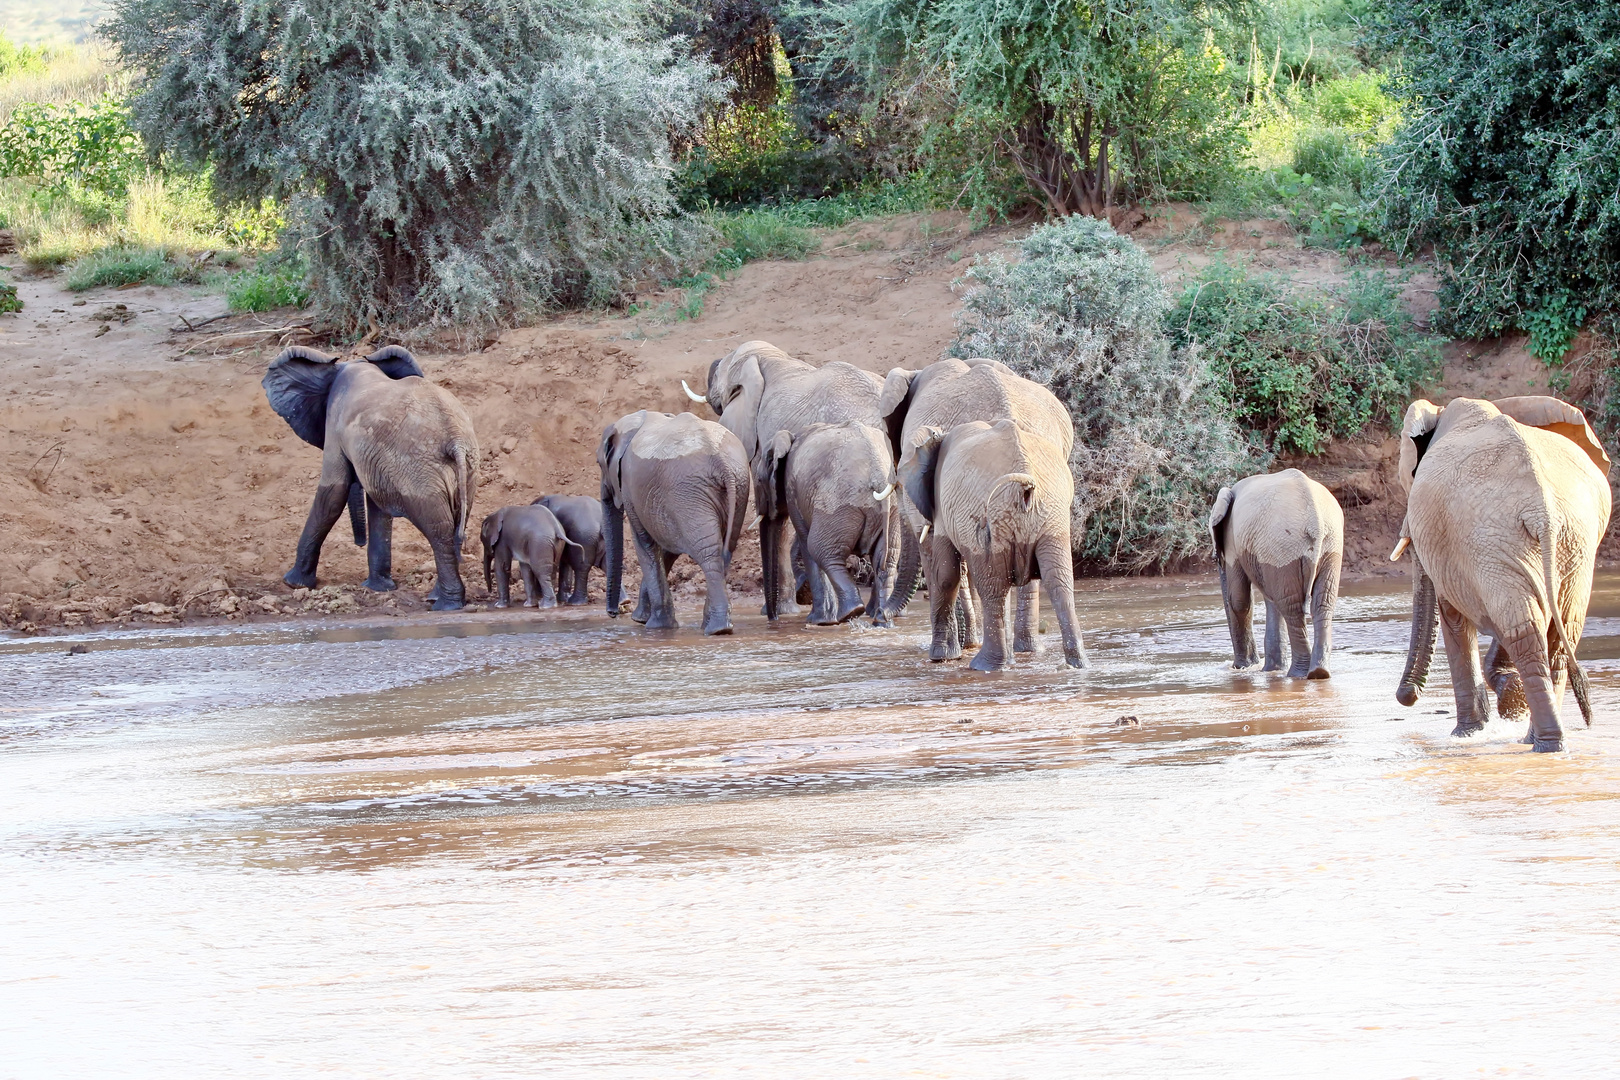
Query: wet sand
(510, 844)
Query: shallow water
(508, 845)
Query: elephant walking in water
(1283, 534)
(581, 518)
(682, 483)
(999, 498)
(1506, 504)
(394, 445)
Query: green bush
(1509, 160)
(121, 266)
(91, 147)
(759, 234)
(1082, 312)
(9, 300)
(1301, 368)
(274, 283)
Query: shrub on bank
(1083, 312)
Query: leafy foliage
(1303, 368)
(87, 146)
(9, 300)
(444, 164)
(1509, 162)
(276, 282)
(1082, 312)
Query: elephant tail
(461, 499)
(357, 512)
(1555, 620)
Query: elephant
(1506, 504)
(836, 483)
(683, 484)
(1282, 533)
(757, 390)
(581, 518)
(533, 535)
(999, 497)
(394, 445)
(953, 392)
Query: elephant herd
(961, 470)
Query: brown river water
(509, 845)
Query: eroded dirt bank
(143, 476)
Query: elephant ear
(396, 362)
(610, 452)
(1217, 518)
(917, 467)
(297, 384)
(490, 531)
(1550, 414)
(770, 476)
(1417, 428)
(893, 401)
(739, 411)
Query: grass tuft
(269, 286)
(122, 266)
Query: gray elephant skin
(1282, 533)
(393, 445)
(943, 395)
(757, 390)
(536, 539)
(1506, 504)
(682, 484)
(999, 498)
(836, 483)
(581, 518)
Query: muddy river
(502, 845)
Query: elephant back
(954, 392)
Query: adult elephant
(757, 390)
(943, 395)
(999, 498)
(394, 445)
(1506, 503)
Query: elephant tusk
(694, 397)
(1400, 549)
(752, 525)
(884, 494)
(924, 534)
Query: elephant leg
(803, 589)
(828, 552)
(379, 548)
(972, 632)
(1273, 637)
(1292, 610)
(503, 577)
(994, 654)
(1027, 623)
(1543, 687)
(821, 603)
(1237, 595)
(1324, 598)
(654, 580)
(578, 569)
(331, 497)
(1504, 679)
(531, 583)
(944, 580)
(452, 595)
(717, 604)
(1461, 639)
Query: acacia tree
(462, 162)
(1096, 103)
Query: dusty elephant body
(998, 498)
(1506, 504)
(682, 484)
(536, 539)
(582, 519)
(836, 483)
(1284, 534)
(394, 445)
(757, 390)
(944, 395)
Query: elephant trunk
(1425, 620)
(770, 550)
(910, 571)
(613, 527)
(357, 512)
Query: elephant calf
(683, 484)
(581, 518)
(999, 498)
(533, 536)
(1282, 534)
(836, 483)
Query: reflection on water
(509, 845)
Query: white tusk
(694, 397)
(1400, 549)
(924, 534)
(755, 523)
(884, 494)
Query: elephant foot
(940, 653)
(882, 619)
(1075, 659)
(1269, 666)
(577, 601)
(380, 584)
(448, 603)
(501, 604)
(1529, 736)
(530, 603)
(719, 628)
(1297, 671)
(1030, 645)
(854, 612)
(1467, 730)
(1549, 746)
(662, 622)
(298, 579)
(985, 662)
(1320, 673)
(547, 603)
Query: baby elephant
(1284, 534)
(581, 518)
(532, 535)
(836, 483)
